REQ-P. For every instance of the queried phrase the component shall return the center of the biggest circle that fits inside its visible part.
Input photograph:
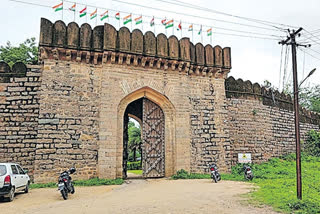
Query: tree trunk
(134, 154)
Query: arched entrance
(152, 122)
(166, 129)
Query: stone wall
(19, 112)
(68, 121)
(261, 121)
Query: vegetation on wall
(312, 144)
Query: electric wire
(238, 31)
(188, 5)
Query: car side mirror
(25, 171)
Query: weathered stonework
(69, 110)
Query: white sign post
(244, 157)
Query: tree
(26, 52)
(310, 98)
(134, 141)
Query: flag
(104, 15)
(58, 7)
(117, 16)
(169, 24)
(190, 27)
(138, 20)
(164, 21)
(83, 12)
(127, 19)
(209, 32)
(200, 31)
(152, 22)
(93, 14)
(73, 7)
(179, 26)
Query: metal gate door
(152, 140)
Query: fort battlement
(239, 89)
(104, 44)
(18, 69)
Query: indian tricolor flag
(93, 14)
(200, 31)
(127, 19)
(209, 32)
(58, 7)
(179, 26)
(138, 20)
(73, 7)
(164, 21)
(169, 24)
(117, 16)
(104, 15)
(190, 27)
(152, 22)
(83, 12)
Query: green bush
(90, 182)
(183, 174)
(312, 143)
(134, 165)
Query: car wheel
(26, 190)
(11, 195)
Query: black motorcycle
(215, 175)
(65, 184)
(248, 175)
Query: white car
(12, 179)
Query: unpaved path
(140, 196)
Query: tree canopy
(26, 52)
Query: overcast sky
(252, 59)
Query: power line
(194, 16)
(264, 22)
(238, 31)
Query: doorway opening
(143, 140)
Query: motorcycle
(215, 175)
(248, 175)
(65, 184)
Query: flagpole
(86, 14)
(173, 27)
(141, 24)
(181, 28)
(201, 35)
(74, 13)
(211, 37)
(96, 16)
(165, 27)
(62, 10)
(154, 26)
(131, 22)
(192, 33)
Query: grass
(137, 172)
(276, 181)
(90, 182)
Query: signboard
(244, 157)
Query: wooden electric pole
(292, 41)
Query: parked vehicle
(65, 184)
(215, 175)
(12, 179)
(247, 172)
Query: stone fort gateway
(72, 108)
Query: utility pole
(292, 41)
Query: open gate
(153, 155)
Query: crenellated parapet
(18, 69)
(104, 44)
(240, 89)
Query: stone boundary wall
(261, 121)
(104, 44)
(19, 112)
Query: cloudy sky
(255, 59)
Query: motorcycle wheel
(219, 177)
(64, 194)
(72, 189)
(250, 177)
(215, 178)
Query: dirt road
(140, 196)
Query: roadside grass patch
(276, 183)
(89, 182)
(137, 172)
